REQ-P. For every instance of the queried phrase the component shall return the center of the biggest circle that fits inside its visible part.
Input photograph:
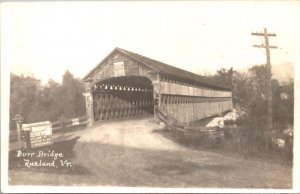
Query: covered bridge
(126, 84)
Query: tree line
(249, 90)
(36, 102)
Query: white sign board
(119, 69)
(40, 134)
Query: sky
(44, 39)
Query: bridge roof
(167, 70)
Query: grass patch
(241, 141)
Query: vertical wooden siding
(178, 89)
(186, 109)
(187, 103)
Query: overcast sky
(47, 38)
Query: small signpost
(19, 120)
(39, 134)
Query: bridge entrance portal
(122, 97)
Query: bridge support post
(89, 107)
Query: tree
(250, 91)
(51, 100)
(71, 96)
(24, 93)
(283, 103)
(259, 76)
(38, 103)
(242, 91)
(224, 77)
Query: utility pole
(269, 73)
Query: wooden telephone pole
(269, 73)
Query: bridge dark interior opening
(122, 97)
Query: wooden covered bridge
(126, 84)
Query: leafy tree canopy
(36, 102)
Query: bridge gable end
(118, 64)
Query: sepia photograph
(149, 96)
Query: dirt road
(134, 133)
(131, 153)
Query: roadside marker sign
(39, 134)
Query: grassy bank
(241, 140)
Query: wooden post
(156, 95)
(19, 120)
(89, 107)
(269, 73)
(19, 134)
